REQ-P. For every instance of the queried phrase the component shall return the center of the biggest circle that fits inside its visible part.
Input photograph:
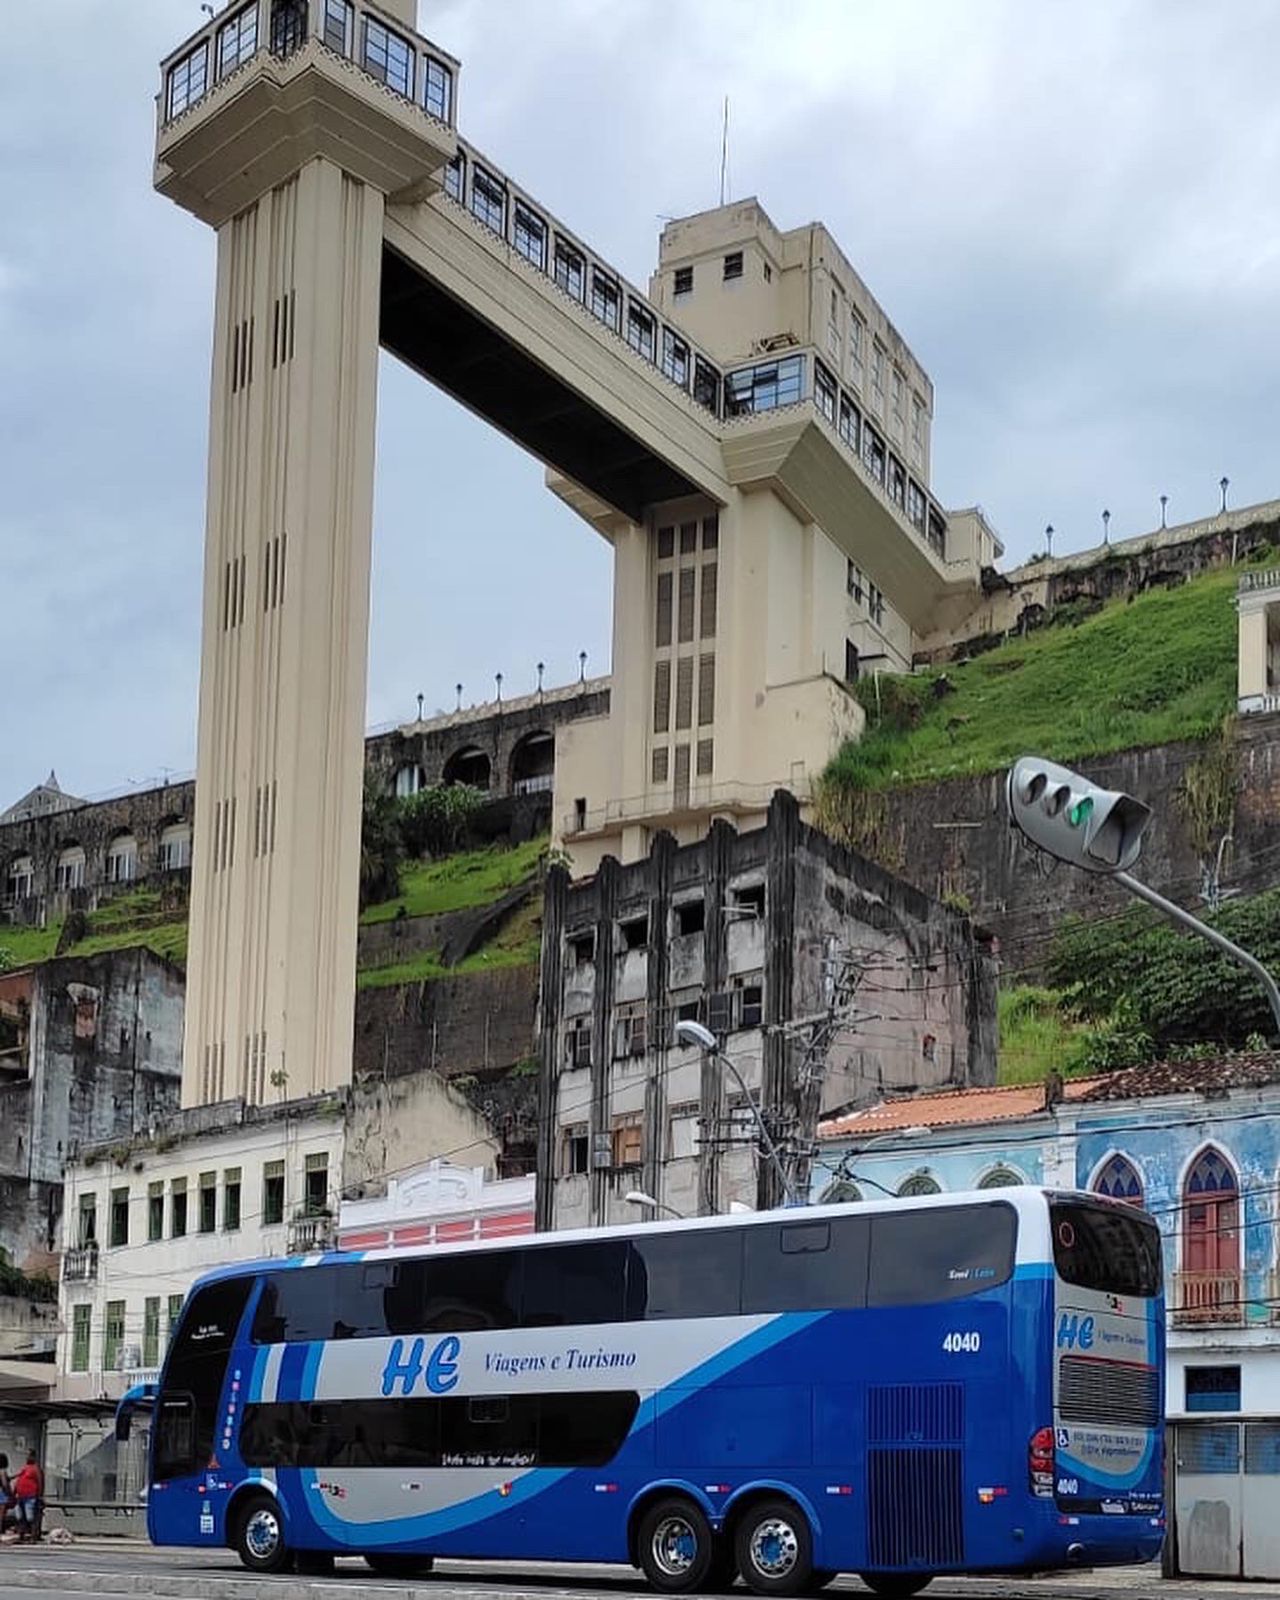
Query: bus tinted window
(1111, 1248)
(939, 1254)
(195, 1372)
(685, 1275)
(819, 1266)
(574, 1283)
(550, 1430)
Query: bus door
(196, 1419)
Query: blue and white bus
(897, 1389)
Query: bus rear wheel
(896, 1585)
(676, 1547)
(390, 1565)
(259, 1535)
(775, 1548)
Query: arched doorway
(533, 763)
(1209, 1283)
(468, 765)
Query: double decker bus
(895, 1389)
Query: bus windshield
(1111, 1248)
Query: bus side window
(465, 1294)
(685, 1275)
(818, 1266)
(939, 1254)
(569, 1284)
(175, 1424)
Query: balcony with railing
(1207, 1300)
(80, 1265)
(311, 1232)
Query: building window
(824, 391)
(69, 871)
(155, 1211)
(530, 236)
(339, 25)
(606, 302)
(1000, 1177)
(764, 387)
(151, 1331)
(119, 1218)
(749, 1000)
(628, 1139)
(711, 532)
(896, 399)
(410, 779)
(316, 1185)
(706, 691)
(633, 932)
(574, 1148)
(853, 582)
(87, 1229)
(489, 200)
(684, 1130)
(188, 81)
(661, 696)
(288, 26)
(570, 269)
(916, 506)
(175, 847)
(113, 1335)
(857, 343)
(850, 661)
(641, 331)
(173, 1311)
(877, 377)
(706, 385)
(875, 604)
(122, 859)
(1210, 1286)
(21, 879)
(919, 1183)
(208, 1220)
(917, 431)
(237, 40)
(581, 947)
(705, 757)
(437, 88)
(630, 1030)
(688, 538)
(873, 453)
(659, 764)
(388, 57)
(178, 1208)
(1213, 1388)
(455, 177)
(848, 424)
(683, 281)
(675, 358)
(80, 1324)
(272, 1193)
(733, 266)
(577, 1041)
(748, 900)
(689, 916)
(684, 692)
(1119, 1180)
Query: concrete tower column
(273, 132)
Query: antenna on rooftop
(724, 152)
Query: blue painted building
(1197, 1143)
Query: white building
(438, 1204)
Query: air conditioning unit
(601, 1151)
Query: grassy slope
(1154, 669)
(24, 946)
(1036, 1035)
(474, 878)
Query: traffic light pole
(1177, 914)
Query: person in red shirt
(28, 1492)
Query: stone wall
(953, 840)
(464, 1025)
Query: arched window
(20, 880)
(919, 1183)
(533, 763)
(1001, 1177)
(469, 765)
(841, 1192)
(1119, 1180)
(409, 780)
(69, 871)
(122, 859)
(1210, 1285)
(175, 847)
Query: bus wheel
(259, 1539)
(389, 1565)
(775, 1548)
(676, 1546)
(896, 1585)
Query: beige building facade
(752, 436)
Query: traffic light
(1076, 821)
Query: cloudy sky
(1068, 209)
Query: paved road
(89, 1568)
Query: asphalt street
(109, 1570)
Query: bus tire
(675, 1545)
(896, 1585)
(775, 1548)
(389, 1564)
(259, 1535)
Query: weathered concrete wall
(467, 1024)
(953, 840)
(28, 1328)
(402, 1123)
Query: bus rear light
(1040, 1463)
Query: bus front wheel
(259, 1536)
(896, 1585)
(675, 1546)
(775, 1548)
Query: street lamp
(637, 1197)
(690, 1032)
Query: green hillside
(1156, 668)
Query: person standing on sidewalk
(28, 1494)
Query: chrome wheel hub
(774, 1548)
(675, 1546)
(262, 1534)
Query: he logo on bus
(1075, 1331)
(439, 1371)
